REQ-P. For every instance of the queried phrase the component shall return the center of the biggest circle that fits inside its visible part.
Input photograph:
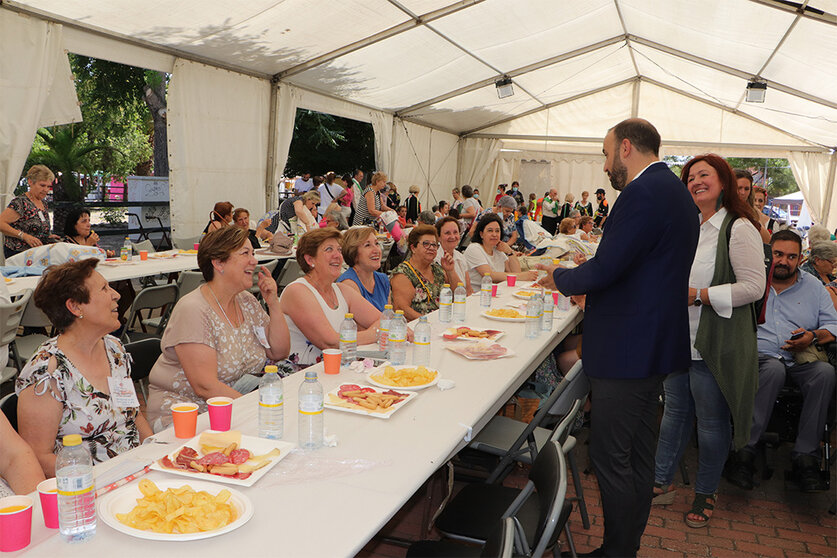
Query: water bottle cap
(310, 375)
(423, 318)
(72, 440)
(459, 284)
(486, 275)
(400, 312)
(446, 285)
(349, 315)
(271, 369)
(387, 306)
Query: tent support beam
(832, 169)
(412, 23)
(810, 13)
(270, 170)
(700, 144)
(729, 70)
(627, 40)
(470, 133)
(512, 74)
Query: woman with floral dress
(25, 222)
(219, 336)
(65, 388)
(416, 282)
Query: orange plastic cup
(220, 413)
(15, 523)
(511, 280)
(185, 419)
(331, 361)
(143, 255)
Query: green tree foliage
(66, 150)
(323, 143)
(774, 175)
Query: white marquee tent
(423, 73)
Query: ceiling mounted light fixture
(756, 90)
(504, 87)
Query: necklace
(222, 308)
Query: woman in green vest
(727, 277)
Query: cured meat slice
(239, 456)
(214, 458)
(167, 463)
(184, 457)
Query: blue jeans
(688, 394)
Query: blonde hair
(569, 198)
(414, 189)
(351, 241)
(377, 177)
(566, 225)
(311, 196)
(39, 173)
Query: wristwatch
(816, 340)
(697, 301)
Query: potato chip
(179, 510)
(405, 377)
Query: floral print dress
(107, 430)
(426, 295)
(32, 221)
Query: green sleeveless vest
(728, 346)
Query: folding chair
(10, 315)
(187, 243)
(24, 346)
(188, 282)
(500, 545)
(144, 354)
(290, 273)
(268, 267)
(472, 514)
(150, 298)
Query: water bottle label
(421, 343)
(443, 303)
(348, 337)
(271, 400)
(73, 486)
(310, 407)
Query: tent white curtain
(217, 143)
(36, 89)
(382, 128)
(476, 157)
(816, 175)
(287, 101)
(426, 158)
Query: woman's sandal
(663, 495)
(701, 504)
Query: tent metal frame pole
(413, 22)
(830, 186)
(807, 12)
(270, 170)
(627, 39)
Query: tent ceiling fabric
(434, 62)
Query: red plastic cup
(511, 280)
(15, 523)
(494, 290)
(49, 502)
(196, 245)
(331, 361)
(220, 413)
(555, 296)
(185, 419)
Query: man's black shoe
(806, 473)
(597, 553)
(741, 469)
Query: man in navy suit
(636, 327)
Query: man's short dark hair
(743, 173)
(641, 133)
(786, 234)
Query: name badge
(259, 331)
(122, 392)
(43, 216)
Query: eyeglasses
(427, 245)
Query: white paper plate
(123, 500)
(379, 370)
(517, 294)
(340, 406)
(521, 320)
(467, 350)
(256, 446)
(451, 330)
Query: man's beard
(618, 174)
(782, 272)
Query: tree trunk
(155, 98)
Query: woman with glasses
(416, 282)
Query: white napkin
(445, 384)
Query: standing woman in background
(369, 205)
(394, 198)
(584, 206)
(25, 222)
(413, 205)
(744, 180)
(567, 208)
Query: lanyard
(423, 284)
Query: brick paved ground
(773, 520)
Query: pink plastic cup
(555, 297)
(494, 290)
(220, 413)
(511, 280)
(197, 245)
(49, 502)
(15, 523)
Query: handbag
(811, 353)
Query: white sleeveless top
(303, 352)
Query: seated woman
(568, 228)
(505, 209)
(416, 282)
(447, 230)
(77, 229)
(484, 255)
(362, 254)
(402, 216)
(442, 209)
(315, 305)
(301, 207)
(822, 264)
(65, 386)
(20, 471)
(219, 217)
(218, 333)
(586, 228)
(241, 219)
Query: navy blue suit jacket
(636, 320)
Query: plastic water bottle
(76, 491)
(421, 343)
(292, 223)
(533, 316)
(398, 339)
(485, 290)
(271, 405)
(348, 339)
(445, 304)
(383, 331)
(548, 307)
(310, 412)
(459, 296)
(125, 251)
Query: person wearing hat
(601, 212)
(413, 205)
